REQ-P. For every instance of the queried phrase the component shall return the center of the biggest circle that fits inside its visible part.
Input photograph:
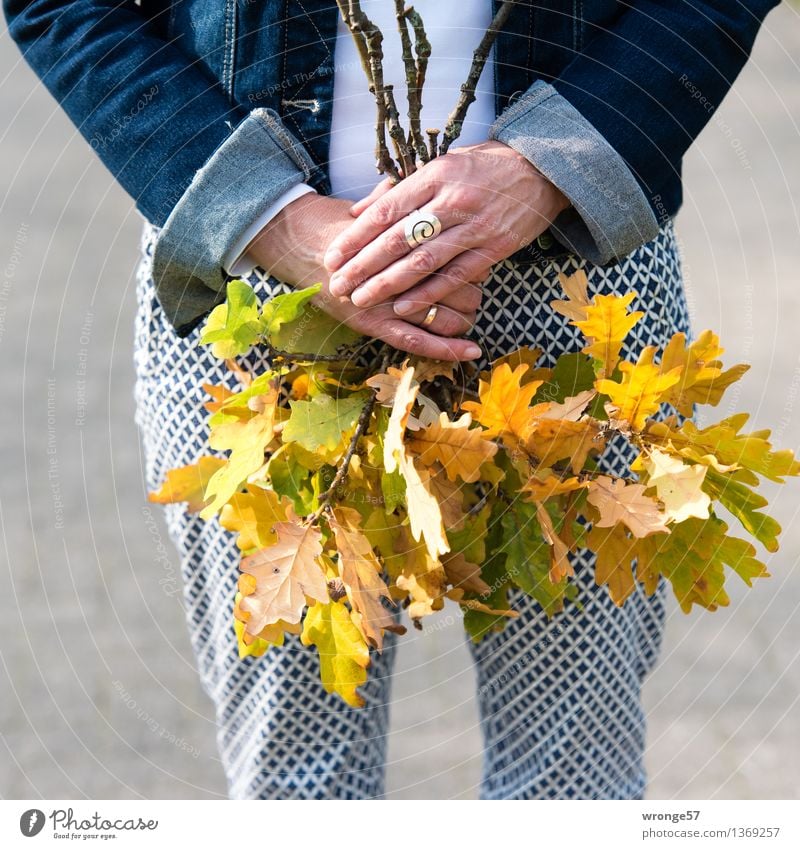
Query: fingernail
(404, 307)
(333, 258)
(473, 351)
(338, 285)
(361, 297)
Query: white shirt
(352, 144)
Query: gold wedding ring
(430, 316)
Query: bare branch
(455, 120)
(423, 52)
(368, 39)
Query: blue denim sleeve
(167, 131)
(612, 129)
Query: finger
(416, 340)
(419, 340)
(414, 267)
(468, 267)
(378, 192)
(379, 254)
(446, 321)
(409, 195)
(466, 299)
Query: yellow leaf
(575, 287)
(505, 403)
(277, 580)
(678, 485)
(360, 570)
(247, 441)
(641, 391)
(253, 515)
(551, 440)
(460, 449)
(417, 575)
(618, 501)
(405, 393)
(606, 326)
(544, 484)
(188, 484)
(702, 380)
(424, 512)
(343, 653)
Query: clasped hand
(491, 202)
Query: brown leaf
(464, 575)
(618, 501)
(360, 571)
(460, 449)
(277, 579)
(560, 567)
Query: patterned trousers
(559, 700)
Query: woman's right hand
(292, 246)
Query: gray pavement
(98, 694)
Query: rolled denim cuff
(251, 169)
(610, 215)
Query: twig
(368, 39)
(361, 428)
(422, 48)
(397, 133)
(433, 141)
(455, 120)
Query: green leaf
(233, 327)
(282, 309)
(744, 504)
(290, 478)
(528, 557)
(573, 373)
(295, 324)
(321, 422)
(693, 556)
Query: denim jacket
(206, 111)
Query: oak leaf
(278, 579)
(460, 449)
(247, 440)
(678, 485)
(464, 575)
(702, 380)
(641, 391)
(606, 326)
(560, 566)
(343, 652)
(575, 287)
(323, 421)
(614, 550)
(360, 572)
(252, 515)
(618, 501)
(188, 484)
(505, 402)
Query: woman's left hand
(491, 202)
